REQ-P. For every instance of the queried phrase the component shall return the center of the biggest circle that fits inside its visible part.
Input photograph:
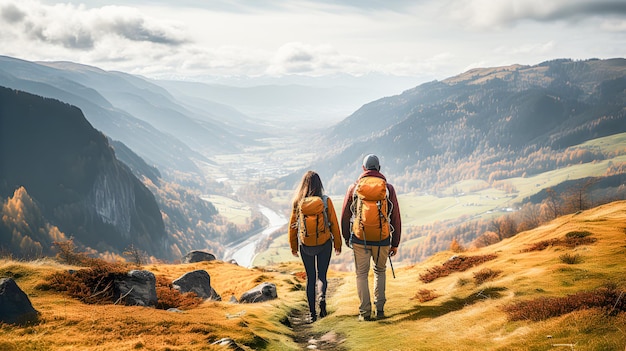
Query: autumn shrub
(609, 299)
(570, 258)
(456, 247)
(541, 245)
(424, 295)
(67, 253)
(455, 264)
(576, 238)
(93, 284)
(168, 297)
(485, 274)
(578, 234)
(571, 240)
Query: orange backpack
(313, 224)
(370, 209)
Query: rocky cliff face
(112, 199)
(71, 172)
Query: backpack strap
(326, 221)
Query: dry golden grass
(467, 313)
(67, 324)
(469, 316)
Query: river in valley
(243, 252)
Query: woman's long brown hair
(311, 185)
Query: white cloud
(296, 58)
(489, 14)
(76, 27)
(426, 38)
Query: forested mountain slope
(59, 178)
(486, 124)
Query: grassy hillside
(459, 310)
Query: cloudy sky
(427, 39)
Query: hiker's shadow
(451, 305)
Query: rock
(228, 342)
(262, 292)
(198, 256)
(15, 306)
(215, 296)
(233, 299)
(198, 282)
(138, 288)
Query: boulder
(138, 288)
(198, 256)
(15, 306)
(260, 293)
(198, 282)
(228, 343)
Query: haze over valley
(476, 139)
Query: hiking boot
(323, 312)
(364, 318)
(312, 318)
(380, 315)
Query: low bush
(485, 274)
(574, 241)
(571, 240)
(541, 245)
(93, 284)
(424, 295)
(571, 258)
(168, 297)
(577, 234)
(609, 299)
(455, 264)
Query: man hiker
(371, 226)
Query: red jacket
(346, 213)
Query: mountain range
(483, 120)
(486, 124)
(134, 111)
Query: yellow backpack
(370, 210)
(313, 224)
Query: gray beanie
(370, 162)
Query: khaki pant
(362, 256)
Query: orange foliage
(455, 264)
(424, 295)
(609, 299)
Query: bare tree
(577, 197)
(552, 204)
(530, 215)
(504, 227)
(135, 255)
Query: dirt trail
(303, 331)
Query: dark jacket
(346, 214)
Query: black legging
(312, 275)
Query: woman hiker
(314, 231)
